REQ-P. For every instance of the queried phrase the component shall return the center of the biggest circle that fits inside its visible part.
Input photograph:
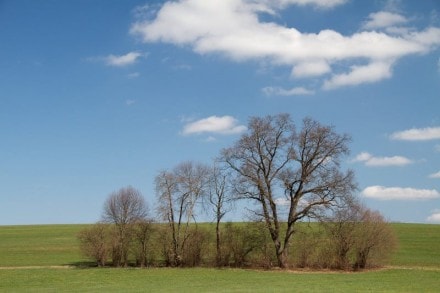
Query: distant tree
(94, 243)
(124, 208)
(306, 165)
(178, 192)
(220, 197)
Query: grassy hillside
(419, 245)
(39, 245)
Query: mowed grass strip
(214, 280)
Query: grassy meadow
(46, 258)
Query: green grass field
(38, 259)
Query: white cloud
(435, 175)
(372, 72)
(384, 19)
(309, 69)
(373, 161)
(399, 193)
(277, 91)
(316, 3)
(233, 29)
(214, 124)
(429, 133)
(435, 217)
(122, 60)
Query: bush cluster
(243, 245)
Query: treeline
(286, 178)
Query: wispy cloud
(234, 29)
(214, 124)
(372, 161)
(210, 139)
(415, 134)
(182, 67)
(277, 91)
(129, 102)
(399, 193)
(435, 175)
(122, 60)
(133, 75)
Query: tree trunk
(218, 248)
(282, 258)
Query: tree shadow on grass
(83, 264)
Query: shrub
(94, 243)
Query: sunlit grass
(416, 268)
(39, 245)
(213, 280)
(419, 245)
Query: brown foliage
(94, 243)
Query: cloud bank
(399, 193)
(233, 28)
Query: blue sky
(98, 95)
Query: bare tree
(220, 199)
(306, 165)
(177, 194)
(124, 208)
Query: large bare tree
(289, 173)
(124, 208)
(178, 191)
